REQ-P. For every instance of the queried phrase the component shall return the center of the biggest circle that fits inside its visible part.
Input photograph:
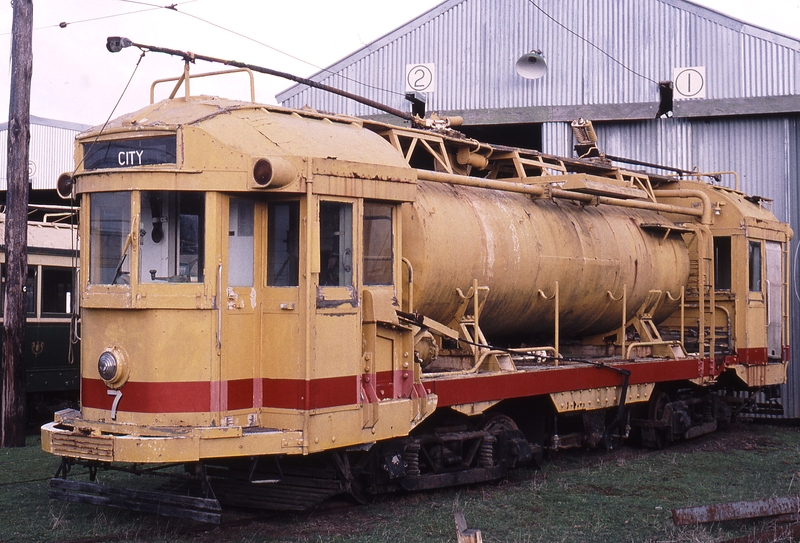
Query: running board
(160, 503)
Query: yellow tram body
(240, 344)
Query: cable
(171, 6)
(73, 324)
(281, 52)
(65, 24)
(111, 114)
(174, 6)
(590, 43)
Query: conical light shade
(531, 65)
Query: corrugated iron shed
(605, 59)
(474, 45)
(51, 151)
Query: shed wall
(474, 45)
(51, 152)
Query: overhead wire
(577, 35)
(65, 24)
(152, 7)
(74, 314)
(174, 7)
(220, 27)
(169, 6)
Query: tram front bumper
(71, 437)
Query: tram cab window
(377, 244)
(241, 229)
(722, 263)
(336, 244)
(283, 244)
(171, 237)
(56, 291)
(755, 266)
(110, 242)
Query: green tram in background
(52, 363)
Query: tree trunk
(12, 423)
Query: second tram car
(292, 304)
(52, 355)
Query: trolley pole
(12, 423)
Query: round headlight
(107, 366)
(113, 367)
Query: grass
(624, 496)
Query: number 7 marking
(118, 397)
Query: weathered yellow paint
(337, 353)
(474, 408)
(148, 420)
(172, 448)
(331, 428)
(281, 344)
(762, 375)
(736, 309)
(600, 398)
(156, 351)
(518, 246)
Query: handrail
(407, 262)
(540, 189)
(646, 344)
(714, 174)
(183, 79)
(486, 354)
(624, 298)
(683, 312)
(554, 297)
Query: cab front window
(377, 244)
(110, 241)
(171, 237)
(754, 277)
(336, 244)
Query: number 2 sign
(420, 77)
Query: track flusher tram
(282, 305)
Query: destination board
(129, 153)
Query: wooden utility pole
(12, 423)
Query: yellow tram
(398, 307)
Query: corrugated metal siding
(557, 139)
(760, 149)
(51, 152)
(757, 148)
(475, 43)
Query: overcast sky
(75, 79)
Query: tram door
(337, 319)
(239, 343)
(774, 289)
(282, 347)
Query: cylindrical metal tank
(518, 246)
